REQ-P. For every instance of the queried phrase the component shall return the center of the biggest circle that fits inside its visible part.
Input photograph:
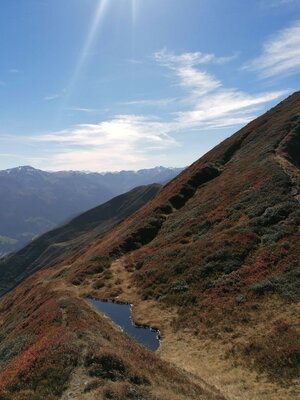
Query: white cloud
(225, 108)
(52, 97)
(151, 102)
(170, 59)
(127, 128)
(197, 82)
(82, 109)
(55, 96)
(124, 140)
(211, 105)
(281, 54)
(13, 71)
(184, 67)
(133, 141)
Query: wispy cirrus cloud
(55, 96)
(203, 103)
(52, 97)
(184, 66)
(225, 108)
(151, 102)
(211, 105)
(82, 109)
(171, 59)
(280, 55)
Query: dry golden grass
(207, 360)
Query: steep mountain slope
(68, 240)
(54, 345)
(34, 201)
(212, 261)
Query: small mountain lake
(120, 314)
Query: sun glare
(134, 9)
(95, 26)
(84, 55)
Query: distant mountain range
(33, 201)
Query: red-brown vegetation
(220, 243)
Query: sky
(108, 85)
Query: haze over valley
(34, 201)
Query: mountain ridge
(33, 201)
(70, 238)
(212, 261)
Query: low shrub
(106, 366)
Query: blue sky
(126, 84)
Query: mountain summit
(212, 261)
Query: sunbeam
(134, 10)
(134, 15)
(84, 55)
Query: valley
(33, 201)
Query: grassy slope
(221, 244)
(33, 201)
(53, 342)
(54, 345)
(212, 260)
(70, 239)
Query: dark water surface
(120, 314)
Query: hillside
(212, 261)
(33, 201)
(70, 239)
